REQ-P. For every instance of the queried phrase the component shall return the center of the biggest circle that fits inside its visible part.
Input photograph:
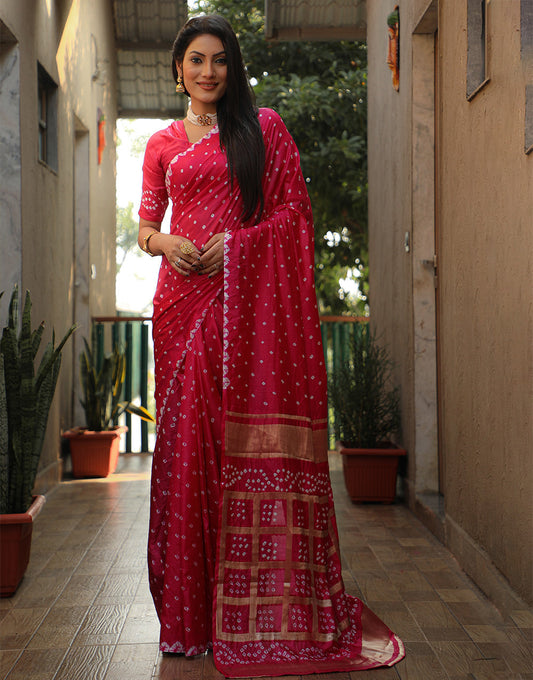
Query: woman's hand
(182, 254)
(212, 255)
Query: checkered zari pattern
(280, 576)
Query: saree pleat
(185, 491)
(243, 549)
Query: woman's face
(204, 72)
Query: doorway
(430, 478)
(80, 256)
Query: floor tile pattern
(83, 610)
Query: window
(528, 142)
(476, 75)
(47, 112)
(526, 50)
(526, 30)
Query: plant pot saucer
(101, 434)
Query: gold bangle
(146, 247)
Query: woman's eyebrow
(201, 54)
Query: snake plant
(101, 389)
(26, 392)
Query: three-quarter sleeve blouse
(162, 148)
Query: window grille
(477, 74)
(47, 117)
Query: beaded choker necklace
(202, 119)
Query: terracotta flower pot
(15, 544)
(94, 454)
(370, 474)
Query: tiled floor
(83, 611)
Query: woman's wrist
(152, 243)
(146, 243)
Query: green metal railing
(336, 334)
(133, 333)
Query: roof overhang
(315, 20)
(144, 34)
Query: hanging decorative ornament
(393, 55)
(101, 134)
(179, 86)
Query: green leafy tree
(319, 89)
(127, 232)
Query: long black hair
(240, 132)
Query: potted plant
(25, 398)
(367, 414)
(94, 449)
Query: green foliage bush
(367, 409)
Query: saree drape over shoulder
(243, 546)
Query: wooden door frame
(429, 477)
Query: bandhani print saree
(243, 549)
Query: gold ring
(187, 248)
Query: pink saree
(243, 547)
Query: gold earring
(179, 87)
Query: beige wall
(484, 189)
(486, 289)
(71, 39)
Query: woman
(243, 552)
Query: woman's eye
(195, 60)
(222, 60)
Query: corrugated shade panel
(315, 19)
(146, 85)
(144, 33)
(148, 20)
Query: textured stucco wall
(485, 244)
(486, 292)
(66, 38)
